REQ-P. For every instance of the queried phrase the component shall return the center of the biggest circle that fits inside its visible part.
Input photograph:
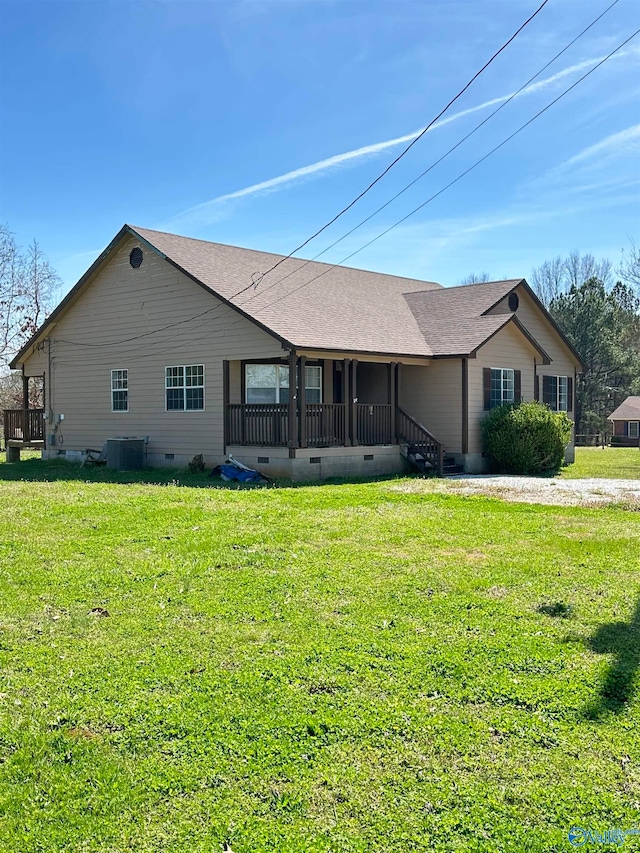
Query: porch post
(346, 366)
(225, 404)
(26, 432)
(293, 404)
(392, 399)
(302, 401)
(465, 405)
(354, 402)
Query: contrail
(199, 211)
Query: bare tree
(27, 287)
(548, 280)
(580, 268)
(557, 276)
(629, 269)
(476, 278)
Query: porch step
(451, 467)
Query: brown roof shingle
(315, 306)
(628, 410)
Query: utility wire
(330, 268)
(444, 156)
(455, 180)
(409, 146)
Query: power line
(409, 146)
(230, 308)
(445, 155)
(458, 178)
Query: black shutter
(546, 390)
(486, 384)
(569, 394)
(517, 386)
(536, 388)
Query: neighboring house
(626, 423)
(166, 337)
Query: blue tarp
(230, 472)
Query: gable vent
(136, 257)
(513, 301)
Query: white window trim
(637, 426)
(184, 387)
(279, 364)
(504, 402)
(120, 370)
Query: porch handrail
(261, 424)
(412, 432)
(24, 425)
(324, 424)
(373, 424)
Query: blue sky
(192, 116)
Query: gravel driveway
(538, 490)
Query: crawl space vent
(136, 257)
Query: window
(269, 383)
(502, 386)
(120, 390)
(185, 388)
(633, 429)
(556, 392)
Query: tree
(476, 278)
(557, 276)
(27, 287)
(604, 326)
(629, 269)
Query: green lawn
(296, 670)
(616, 462)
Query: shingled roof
(628, 410)
(306, 303)
(316, 306)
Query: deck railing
(412, 432)
(325, 425)
(261, 424)
(25, 425)
(373, 423)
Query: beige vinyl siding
(433, 396)
(507, 349)
(121, 304)
(563, 361)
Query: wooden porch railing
(261, 424)
(267, 425)
(417, 436)
(25, 425)
(324, 426)
(373, 423)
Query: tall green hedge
(525, 438)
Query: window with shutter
(500, 386)
(557, 393)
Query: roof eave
(524, 283)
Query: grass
(324, 668)
(614, 462)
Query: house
(304, 371)
(625, 422)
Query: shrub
(525, 438)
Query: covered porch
(312, 403)
(25, 428)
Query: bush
(525, 438)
